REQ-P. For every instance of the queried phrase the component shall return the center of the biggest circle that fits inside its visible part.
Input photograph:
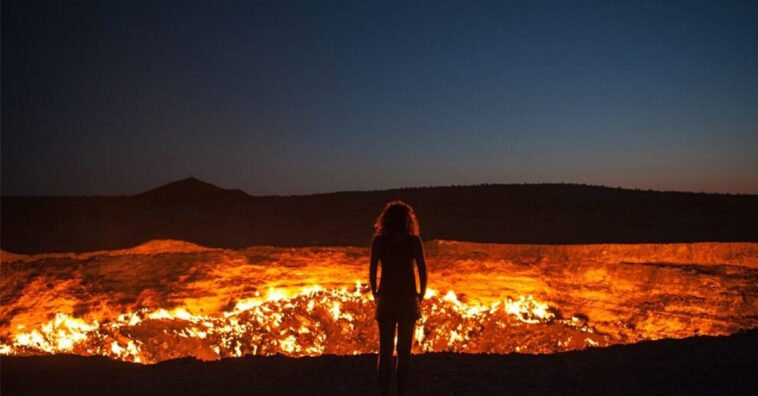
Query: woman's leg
(404, 343)
(384, 362)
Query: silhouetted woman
(395, 247)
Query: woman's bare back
(396, 261)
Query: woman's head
(397, 217)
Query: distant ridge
(191, 189)
(195, 211)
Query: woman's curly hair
(397, 216)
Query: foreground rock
(694, 366)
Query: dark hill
(199, 212)
(191, 190)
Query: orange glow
(170, 299)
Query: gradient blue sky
(275, 97)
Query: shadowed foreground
(694, 366)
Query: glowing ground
(169, 299)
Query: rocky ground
(693, 366)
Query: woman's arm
(372, 269)
(418, 253)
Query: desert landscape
(169, 299)
(378, 198)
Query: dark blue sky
(116, 97)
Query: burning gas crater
(170, 299)
(312, 322)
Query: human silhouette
(395, 247)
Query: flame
(528, 310)
(311, 322)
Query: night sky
(116, 97)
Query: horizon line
(370, 190)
